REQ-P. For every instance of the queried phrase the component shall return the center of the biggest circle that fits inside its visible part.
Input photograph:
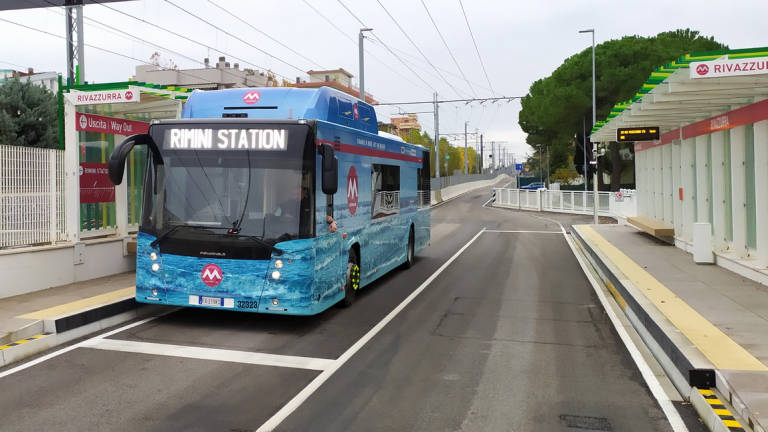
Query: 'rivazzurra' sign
(729, 67)
(226, 139)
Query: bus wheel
(353, 280)
(410, 255)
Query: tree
(555, 107)
(27, 115)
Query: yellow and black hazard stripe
(719, 408)
(23, 341)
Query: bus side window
(385, 181)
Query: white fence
(615, 204)
(31, 196)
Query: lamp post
(360, 39)
(594, 117)
(541, 177)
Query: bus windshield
(240, 192)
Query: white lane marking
(523, 231)
(307, 391)
(202, 353)
(78, 345)
(650, 379)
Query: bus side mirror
(117, 159)
(330, 166)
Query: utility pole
(594, 120)
(584, 150)
(482, 161)
(493, 155)
(466, 155)
(73, 16)
(549, 173)
(437, 138)
(360, 39)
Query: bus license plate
(211, 301)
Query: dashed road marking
(203, 353)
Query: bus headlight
(153, 256)
(275, 274)
(155, 266)
(279, 264)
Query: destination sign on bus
(226, 139)
(637, 134)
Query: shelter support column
(718, 191)
(658, 186)
(677, 205)
(666, 192)
(688, 183)
(703, 194)
(761, 190)
(71, 174)
(739, 191)
(121, 200)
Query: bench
(653, 227)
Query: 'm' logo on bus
(251, 97)
(352, 190)
(211, 275)
(702, 69)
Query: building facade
(339, 79)
(49, 80)
(216, 77)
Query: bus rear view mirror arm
(330, 166)
(117, 159)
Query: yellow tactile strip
(717, 406)
(79, 305)
(23, 341)
(721, 350)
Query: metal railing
(621, 204)
(444, 182)
(31, 196)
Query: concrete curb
(66, 328)
(687, 368)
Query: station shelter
(706, 176)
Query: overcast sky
(519, 42)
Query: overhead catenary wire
(188, 12)
(387, 47)
(437, 29)
(99, 48)
(228, 12)
(474, 42)
(189, 39)
(117, 31)
(418, 49)
(367, 52)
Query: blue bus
(274, 200)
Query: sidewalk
(27, 320)
(710, 323)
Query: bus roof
(323, 103)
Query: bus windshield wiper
(258, 240)
(172, 229)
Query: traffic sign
(519, 167)
(447, 157)
(637, 134)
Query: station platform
(34, 322)
(707, 323)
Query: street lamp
(362, 68)
(541, 178)
(594, 117)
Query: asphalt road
(508, 337)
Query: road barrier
(621, 204)
(444, 182)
